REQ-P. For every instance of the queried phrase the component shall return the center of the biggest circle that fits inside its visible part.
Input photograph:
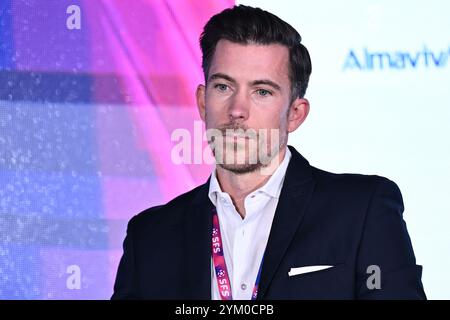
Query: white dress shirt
(244, 240)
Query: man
(274, 228)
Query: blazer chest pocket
(321, 281)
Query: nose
(238, 110)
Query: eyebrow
(221, 76)
(253, 83)
(266, 82)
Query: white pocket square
(307, 269)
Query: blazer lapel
(197, 237)
(295, 194)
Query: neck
(238, 186)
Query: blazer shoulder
(354, 181)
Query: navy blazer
(348, 221)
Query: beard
(241, 150)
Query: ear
(298, 112)
(200, 95)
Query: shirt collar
(272, 187)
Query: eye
(221, 87)
(264, 92)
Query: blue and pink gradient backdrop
(86, 118)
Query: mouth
(239, 133)
(235, 135)
(236, 138)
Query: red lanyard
(220, 267)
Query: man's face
(248, 87)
